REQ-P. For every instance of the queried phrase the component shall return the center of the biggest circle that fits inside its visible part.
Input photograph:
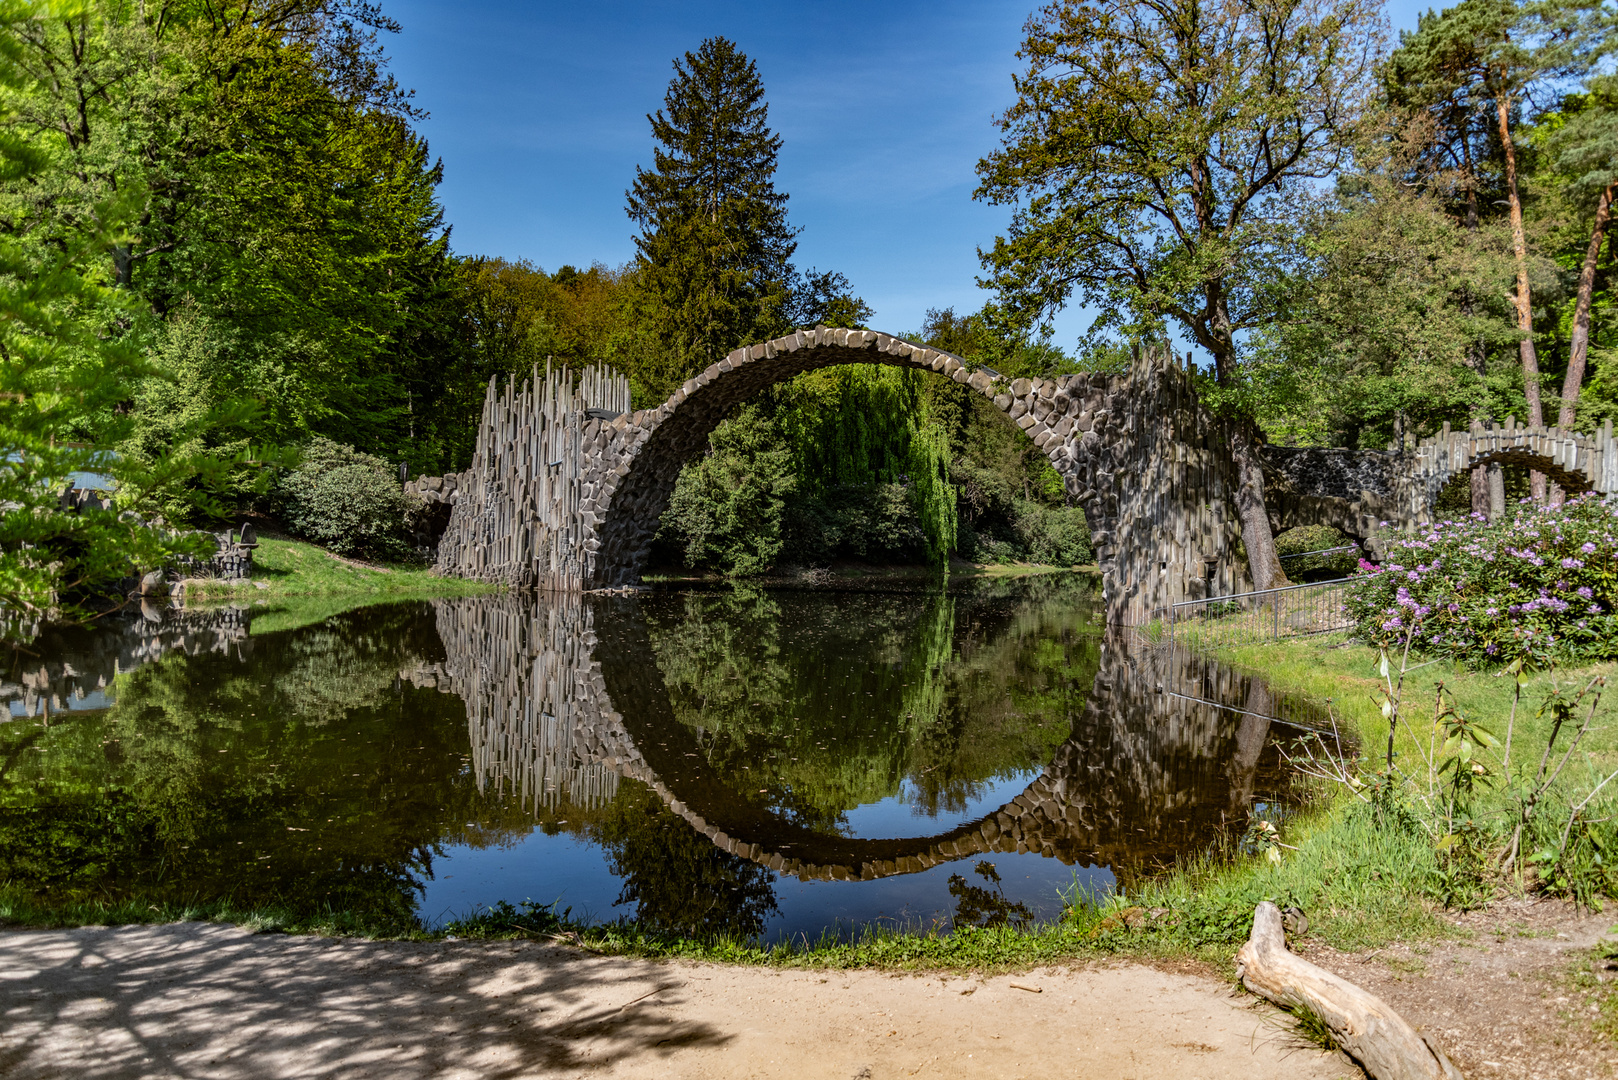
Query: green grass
(291, 568)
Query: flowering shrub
(1543, 581)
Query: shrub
(1307, 538)
(1053, 535)
(1032, 533)
(855, 521)
(726, 508)
(1544, 580)
(349, 501)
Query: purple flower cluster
(1480, 590)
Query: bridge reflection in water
(565, 696)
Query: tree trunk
(1476, 355)
(1364, 1025)
(1523, 298)
(1263, 565)
(1581, 316)
(1262, 561)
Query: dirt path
(197, 1000)
(1502, 1001)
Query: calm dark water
(739, 761)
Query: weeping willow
(857, 425)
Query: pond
(754, 762)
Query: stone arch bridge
(567, 485)
(1369, 494)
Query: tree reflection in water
(679, 882)
(986, 905)
(703, 741)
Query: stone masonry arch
(1374, 494)
(567, 485)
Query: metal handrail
(1261, 592)
(1320, 551)
(1242, 614)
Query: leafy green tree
(1502, 51)
(1379, 320)
(1156, 152)
(276, 190)
(64, 376)
(1586, 149)
(727, 505)
(715, 244)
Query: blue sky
(538, 111)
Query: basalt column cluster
(523, 513)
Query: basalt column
(522, 515)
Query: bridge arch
(1577, 463)
(657, 443)
(567, 485)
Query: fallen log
(1364, 1025)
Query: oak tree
(1156, 154)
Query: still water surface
(752, 762)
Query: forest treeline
(221, 240)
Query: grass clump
(19, 909)
(285, 568)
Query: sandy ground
(201, 1001)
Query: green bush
(346, 500)
(1032, 533)
(727, 505)
(857, 521)
(1054, 535)
(1541, 582)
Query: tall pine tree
(715, 244)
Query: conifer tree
(715, 244)
(1499, 51)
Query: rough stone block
(980, 382)
(1020, 387)
(1003, 402)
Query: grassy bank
(291, 568)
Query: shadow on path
(202, 1000)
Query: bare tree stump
(1363, 1024)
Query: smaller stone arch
(1372, 494)
(1575, 462)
